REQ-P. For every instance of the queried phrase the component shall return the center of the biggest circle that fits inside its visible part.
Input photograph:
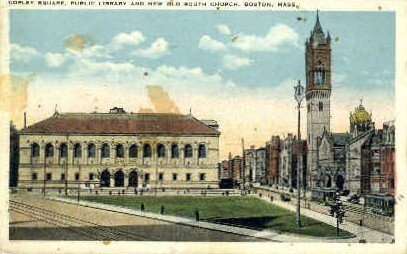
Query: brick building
(272, 160)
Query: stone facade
(137, 150)
(318, 94)
(260, 170)
(288, 162)
(236, 167)
(332, 160)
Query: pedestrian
(197, 215)
(162, 209)
(142, 207)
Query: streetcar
(379, 204)
(323, 196)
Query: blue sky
(191, 54)
(365, 42)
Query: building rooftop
(340, 139)
(121, 123)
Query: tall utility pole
(243, 167)
(299, 93)
(79, 184)
(66, 177)
(45, 169)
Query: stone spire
(318, 35)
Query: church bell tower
(318, 94)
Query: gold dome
(360, 115)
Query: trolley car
(324, 196)
(379, 204)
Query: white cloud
(55, 59)
(224, 29)
(207, 43)
(233, 62)
(23, 54)
(277, 36)
(124, 39)
(156, 50)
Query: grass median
(242, 211)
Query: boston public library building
(119, 149)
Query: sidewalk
(370, 235)
(265, 234)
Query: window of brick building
(188, 177)
(160, 176)
(34, 176)
(49, 176)
(174, 176)
(147, 177)
(91, 176)
(76, 176)
(202, 177)
(62, 177)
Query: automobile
(354, 199)
(345, 193)
(285, 197)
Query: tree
(337, 210)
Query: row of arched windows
(105, 151)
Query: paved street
(25, 227)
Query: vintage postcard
(203, 126)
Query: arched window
(77, 150)
(201, 151)
(119, 151)
(35, 150)
(188, 151)
(91, 150)
(133, 151)
(105, 151)
(146, 150)
(160, 151)
(63, 150)
(320, 106)
(49, 150)
(319, 74)
(174, 151)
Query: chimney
(25, 120)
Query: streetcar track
(89, 229)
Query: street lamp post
(299, 94)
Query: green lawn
(240, 211)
